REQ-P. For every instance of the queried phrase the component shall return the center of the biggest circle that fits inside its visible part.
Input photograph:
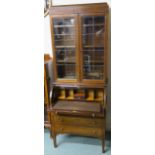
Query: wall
(48, 48)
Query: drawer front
(84, 131)
(79, 121)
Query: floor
(75, 145)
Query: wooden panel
(79, 121)
(73, 111)
(77, 106)
(75, 9)
(86, 131)
(78, 85)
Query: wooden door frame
(76, 49)
(105, 47)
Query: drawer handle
(93, 115)
(74, 111)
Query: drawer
(83, 131)
(79, 121)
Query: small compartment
(62, 94)
(70, 94)
(79, 94)
(99, 95)
(90, 95)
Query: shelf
(67, 77)
(91, 46)
(93, 50)
(65, 46)
(61, 61)
(95, 65)
(61, 26)
(85, 95)
(92, 34)
(77, 106)
(100, 24)
(95, 61)
(64, 34)
(99, 99)
(64, 40)
(70, 98)
(62, 64)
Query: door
(65, 46)
(93, 48)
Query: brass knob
(74, 111)
(93, 115)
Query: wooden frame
(74, 114)
(76, 50)
(105, 48)
(78, 11)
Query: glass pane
(99, 20)
(64, 41)
(93, 47)
(64, 32)
(65, 55)
(66, 71)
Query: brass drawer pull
(74, 111)
(93, 115)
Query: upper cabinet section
(93, 47)
(79, 41)
(64, 45)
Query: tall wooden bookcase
(80, 47)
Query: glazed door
(93, 48)
(64, 30)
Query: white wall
(47, 36)
(65, 2)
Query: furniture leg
(51, 134)
(54, 140)
(103, 144)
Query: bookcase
(80, 47)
